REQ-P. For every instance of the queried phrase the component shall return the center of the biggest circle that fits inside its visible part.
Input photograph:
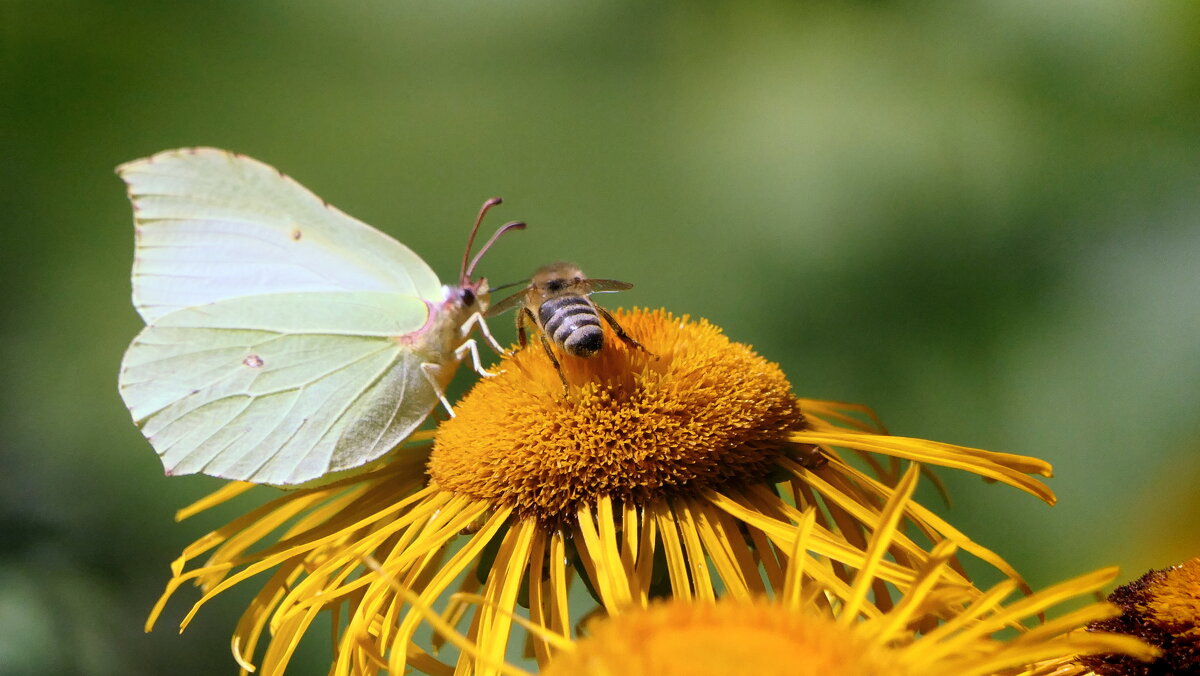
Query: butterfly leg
(431, 372)
(477, 319)
(470, 346)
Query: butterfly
(285, 341)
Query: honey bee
(556, 303)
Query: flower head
(691, 472)
(798, 638)
(701, 413)
(674, 638)
(1162, 608)
(934, 630)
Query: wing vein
(386, 368)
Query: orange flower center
(698, 411)
(1175, 600)
(1161, 608)
(679, 638)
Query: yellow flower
(762, 638)
(933, 631)
(702, 412)
(1162, 608)
(679, 638)
(683, 473)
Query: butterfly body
(285, 341)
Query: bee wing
(606, 285)
(507, 304)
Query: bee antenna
(514, 225)
(463, 271)
(494, 289)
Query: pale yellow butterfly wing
(278, 341)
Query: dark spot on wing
(296, 235)
(253, 361)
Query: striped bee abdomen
(572, 323)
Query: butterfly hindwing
(279, 388)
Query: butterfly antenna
(515, 225)
(464, 270)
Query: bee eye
(468, 297)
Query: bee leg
(625, 337)
(477, 319)
(431, 371)
(521, 319)
(557, 366)
(470, 346)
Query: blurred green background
(981, 218)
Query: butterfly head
(466, 298)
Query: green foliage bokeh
(983, 219)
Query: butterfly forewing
(213, 225)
